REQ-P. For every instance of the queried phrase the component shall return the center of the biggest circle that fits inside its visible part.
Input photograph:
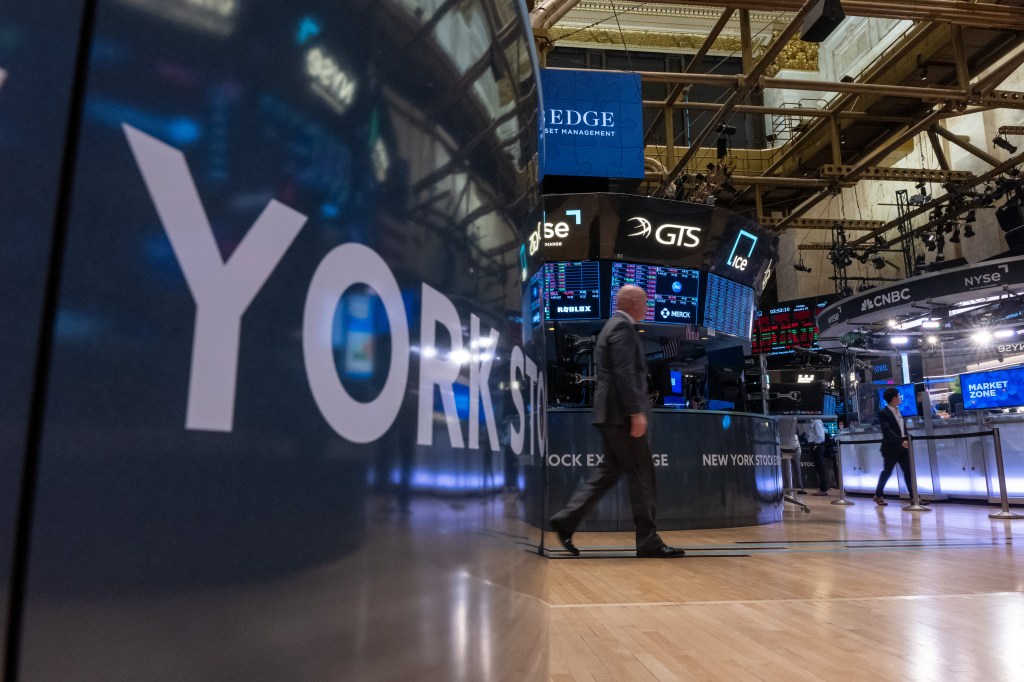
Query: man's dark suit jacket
(621, 373)
(892, 441)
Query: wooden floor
(842, 593)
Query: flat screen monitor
(993, 389)
(572, 290)
(672, 293)
(728, 306)
(675, 381)
(908, 408)
(780, 328)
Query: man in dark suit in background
(621, 413)
(895, 445)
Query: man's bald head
(633, 301)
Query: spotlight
(900, 340)
(921, 187)
(880, 241)
(842, 138)
(955, 239)
(892, 323)
(931, 324)
(864, 286)
(968, 231)
(847, 291)
(981, 338)
(1003, 143)
(800, 266)
(971, 216)
(932, 340)
(878, 262)
(728, 130)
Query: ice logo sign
(668, 233)
(739, 260)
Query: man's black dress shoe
(564, 537)
(663, 552)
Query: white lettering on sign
(738, 460)
(572, 117)
(593, 459)
(986, 389)
(1010, 348)
(223, 290)
(668, 234)
(883, 300)
(985, 279)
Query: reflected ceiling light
(1004, 333)
(891, 323)
(459, 357)
(981, 337)
(931, 324)
(900, 340)
(932, 340)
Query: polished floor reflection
(450, 590)
(852, 593)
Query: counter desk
(950, 466)
(714, 470)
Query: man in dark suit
(621, 413)
(895, 445)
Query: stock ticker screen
(672, 293)
(572, 290)
(728, 306)
(780, 328)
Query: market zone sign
(223, 290)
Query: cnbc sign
(592, 124)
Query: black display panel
(673, 294)
(728, 306)
(572, 291)
(784, 326)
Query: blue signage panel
(593, 123)
(908, 408)
(993, 389)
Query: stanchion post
(1005, 513)
(842, 501)
(915, 495)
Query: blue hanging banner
(593, 123)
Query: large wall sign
(943, 288)
(659, 231)
(593, 123)
(280, 315)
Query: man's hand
(637, 425)
(906, 443)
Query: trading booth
(703, 269)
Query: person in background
(815, 434)
(789, 444)
(895, 446)
(621, 412)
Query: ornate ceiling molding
(684, 12)
(797, 55)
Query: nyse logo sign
(885, 300)
(985, 279)
(667, 234)
(553, 232)
(834, 317)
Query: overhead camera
(725, 129)
(919, 199)
(801, 267)
(1003, 143)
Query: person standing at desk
(621, 413)
(815, 434)
(895, 446)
